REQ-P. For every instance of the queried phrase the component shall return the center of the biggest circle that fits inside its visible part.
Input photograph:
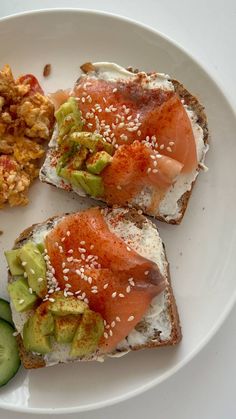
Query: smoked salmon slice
(96, 265)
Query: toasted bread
(159, 327)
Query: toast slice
(173, 204)
(160, 325)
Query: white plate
(201, 250)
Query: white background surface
(206, 387)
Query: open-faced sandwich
(128, 138)
(90, 284)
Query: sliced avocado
(62, 306)
(92, 184)
(22, 299)
(40, 247)
(35, 268)
(68, 151)
(46, 320)
(94, 142)
(68, 118)
(88, 334)
(98, 161)
(80, 156)
(65, 328)
(33, 338)
(14, 262)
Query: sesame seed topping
(128, 289)
(139, 133)
(155, 171)
(105, 334)
(146, 272)
(110, 332)
(121, 295)
(25, 275)
(65, 271)
(149, 170)
(70, 251)
(65, 278)
(128, 248)
(92, 246)
(70, 259)
(94, 291)
(77, 292)
(162, 146)
(24, 263)
(113, 323)
(118, 187)
(70, 293)
(51, 300)
(68, 233)
(21, 301)
(130, 318)
(114, 294)
(171, 143)
(107, 326)
(40, 279)
(105, 286)
(118, 319)
(82, 257)
(114, 90)
(15, 333)
(50, 291)
(169, 149)
(86, 300)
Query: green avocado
(88, 334)
(35, 268)
(13, 261)
(80, 156)
(40, 247)
(46, 320)
(68, 118)
(98, 161)
(91, 184)
(94, 142)
(20, 295)
(33, 338)
(63, 306)
(65, 328)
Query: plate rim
(215, 328)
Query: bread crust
(32, 361)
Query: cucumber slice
(5, 311)
(9, 356)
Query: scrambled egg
(26, 122)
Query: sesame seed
(118, 319)
(94, 291)
(50, 291)
(58, 289)
(68, 233)
(45, 250)
(105, 286)
(70, 293)
(149, 170)
(121, 295)
(24, 263)
(83, 295)
(128, 248)
(146, 272)
(155, 163)
(15, 333)
(78, 272)
(51, 300)
(113, 324)
(40, 279)
(68, 285)
(114, 294)
(82, 242)
(65, 278)
(86, 300)
(81, 250)
(21, 301)
(63, 239)
(114, 90)
(60, 249)
(70, 259)
(25, 275)
(82, 257)
(92, 246)
(153, 157)
(171, 143)
(139, 133)
(107, 326)
(128, 289)
(70, 251)
(130, 318)
(110, 332)
(155, 171)
(63, 264)
(118, 187)
(65, 271)
(169, 149)
(162, 146)
(105, 334)
(37, 252)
